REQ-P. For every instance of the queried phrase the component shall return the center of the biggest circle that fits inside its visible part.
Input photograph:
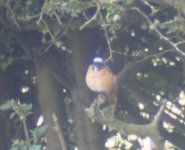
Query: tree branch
(107, 118)
(91, 19)
(59, 132)
(153, 28)
(179, 5)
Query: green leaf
(13, 148)
(58, 44)
(18, 145)
(12, 115)
(27, 107)
(56, 32)
(129, 2)
(44, 41)
(35, 147)
(29, 2)
(41, 130)
(5, 106)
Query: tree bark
(48, 96)
(88, 133)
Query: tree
(142, 41)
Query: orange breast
(100, 81)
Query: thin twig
(59, 132)
(41, 13)
(52, 37)
(29, 18)
(154, 55)
(92, 18)
(153, 9)
(59, 37)
(26, 132)
(58, 18)
(161, 36)
(108, 43)
(40, 18)
(179, 43)
(121, 53)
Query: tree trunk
(48, 96)
(88, 134)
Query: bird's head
(98, 63)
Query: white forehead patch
(98, 60)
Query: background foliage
(46, 47)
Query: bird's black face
(98, 64)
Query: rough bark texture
(88, 133)
(48, 97)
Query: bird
(99, 78)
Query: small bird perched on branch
(99, 78)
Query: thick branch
(107, 118)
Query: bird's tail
(111, 96)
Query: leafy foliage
(7, 40)
(22, 111)
(129, 23)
